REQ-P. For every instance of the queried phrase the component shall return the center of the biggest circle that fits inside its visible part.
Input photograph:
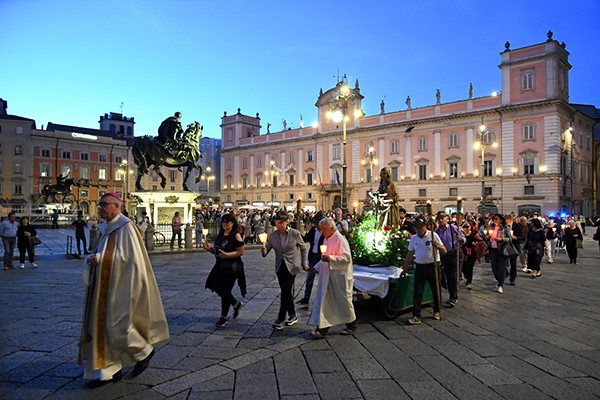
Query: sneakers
(236, 310)
(221, 322)
(291, 320)
(278, 325)
(452, 302)
(347, 332)
(22, 265)
(302, 302)
(414, 320)
(500, 289)
(34, 265)
(318, 335)
(437, 316)
(512, 283)
(550, 261)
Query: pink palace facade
(542, 161)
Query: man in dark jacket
(405, 224)
(314, 239)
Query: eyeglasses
(105, 204)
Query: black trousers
(81, 239)
(572, 250)
(286, 283)
(513, 268)
(425, 273)
(450, 270)
(25, 247)
(468, 267)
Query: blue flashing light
(563, 215)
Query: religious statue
(382, 105)
(284, 124)
(470, 90)
(172, 148)
(408, 102)
(386, 201)
(438, 96)
(301, 121)
(268, 128)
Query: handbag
(508, 250)
(580, 243)
(34, 240)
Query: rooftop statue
(173, 147)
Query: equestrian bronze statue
(62, 190)
(172, 148)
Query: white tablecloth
(374, 281)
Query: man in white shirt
(8, 231)
(421, 246)
(340, 223)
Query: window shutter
(447, 169)
(536, 165)
(493, 167)
(459, 170)
(520, 166)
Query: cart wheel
(387, 311)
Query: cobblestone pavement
(538, 340)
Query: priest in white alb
(123, 314)
(333, 300)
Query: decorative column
(470, 151)
(437, 154)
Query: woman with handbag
(536, 247)
(572, 234)
(25, 233)
(470, 247)
(499, 234)
(515, 232)
(228, 250)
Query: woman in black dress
(470, 250)
(572, 233)
(536, 247)
(24, 232)
(228, 249)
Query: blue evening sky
(69, 62)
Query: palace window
(244, 163)
(423, 143)
(528, 190)
(154, 176)
(229, 134)
(18, 149)
(244, 182)
(229, 185)
(394, 146)
(423, 172)
(529, 166)
(84, 156)
(488, 168)
(309, 179)
(45, 169)
(118, 159)
(528, 131)
(18, 167)
(17, 188)
(422, 192)
(83, 193)
(309, 196)
(102, 173)
(394, 171)
(259, 161)
(66, 154)
(173, 175)
(44, 152)
(489, 191)
(527, 79)
(292, 180)
(453, 170)
(337, 151)
(453, 139)
(19, 130)
(453, 192)
(154, 187)
(292, 157)
(84, 172)
(309, 156)
(102, 157)
(228, 165)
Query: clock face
(337, 117)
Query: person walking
(8, 232)
(499, 234)
(333, 300)
(228, 249)
(470, 249)
(551, 239)
(422, 246)
(199, 227)
(79, 226)
(314, 239)
(449, 233)
(536, 247)
(123, 314)
(25, 232)
(291, 255)
(176, 226)
(55, 219)
(515, 232)
(524, 235)
(572, 234)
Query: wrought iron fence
(167, 232)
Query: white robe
(123, 312)
(333, 300)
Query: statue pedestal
(161, 206)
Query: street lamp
(343, 99)
(373, 161)
(208, 178)
(273, 174)
(124, 170)
(485, 137)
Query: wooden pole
(431, 226)
(458, 222)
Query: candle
(262, 237)
(554, 229)
(485, 231)
(205, 232)
(323, 248)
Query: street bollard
(149, 237)
(93, 235)
(188, 236)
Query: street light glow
(476, 146)
(345, 90)
(315, 124)
(495, 144)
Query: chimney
(3, 107)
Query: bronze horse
(49, 192)
(147, 152)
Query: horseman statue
(62, 190)
(173, 147)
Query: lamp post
(343, 99)
(372, 161)
(485, 137)
(208, 178)
(273, 174)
